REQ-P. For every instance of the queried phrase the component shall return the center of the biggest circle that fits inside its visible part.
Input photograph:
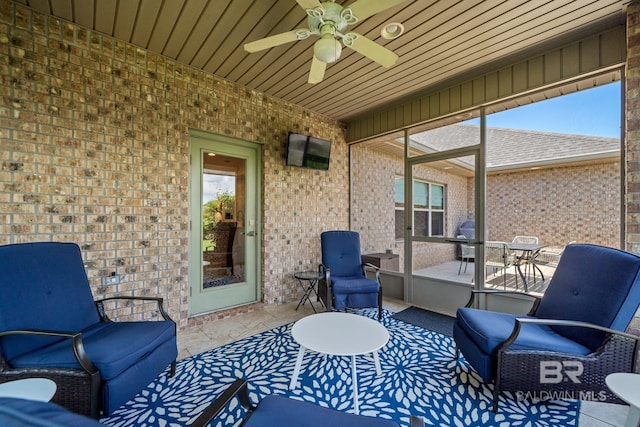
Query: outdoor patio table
(39, 389)
(529, 251)
(626, 386)
(339, 334)
(311, 278)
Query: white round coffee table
(627, 387)
(40, 389)
(339, 334)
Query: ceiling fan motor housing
(332, 14)
(329, 21)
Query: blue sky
(590, 112)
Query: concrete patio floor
(495, 280)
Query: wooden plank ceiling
(444, 40)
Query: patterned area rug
(419, 376)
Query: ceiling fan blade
(362, 9)
(271, 41)
(317, 70)
(370, 49)
(309, 4)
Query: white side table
(339, 334)
(627, 387)
(40, 389)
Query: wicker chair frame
(518, 371)
(78, 390)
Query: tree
(214, 211)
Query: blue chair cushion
(488, 329)
(354, 292)
(592, 284)
(57, 297)
(354, 285)
(341, 253)
(29, 413)
(104, 344)
(481, 361)
(276, 410)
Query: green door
(224, 204)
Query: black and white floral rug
(420, 376)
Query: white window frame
(429, 209)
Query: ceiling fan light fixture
(327, 49)
(392, 30)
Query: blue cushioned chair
(272, 411)
(578, 325)
(344, 282)
(51, 327)
(30, 413)
(281, 411)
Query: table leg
(303, 295)
(296, 369)
(633, 417)
(354, 375)
(524, 280)
(376, 361)
(314, 287)
(539, 271)
(310, 290)
(306, 294)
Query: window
(428, 208)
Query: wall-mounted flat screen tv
(308, 152)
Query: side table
(308, 280)
(339, 334)
(40, 389)
(627, 387)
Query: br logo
(554, 372)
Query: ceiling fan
(329, 20)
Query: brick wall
(632, 142)
(559, 204)
(94, 138)
(373, 207)
(632, 127)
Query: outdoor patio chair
(467, 252)
(273, 410)
(498, 256)
(51, 327)
(526, 257)
(281, 411)
(573, 337)
(220, 255)
(344, 283)
(549, 257)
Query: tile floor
(202, 338)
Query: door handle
(250, 233)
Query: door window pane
(223, 204)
